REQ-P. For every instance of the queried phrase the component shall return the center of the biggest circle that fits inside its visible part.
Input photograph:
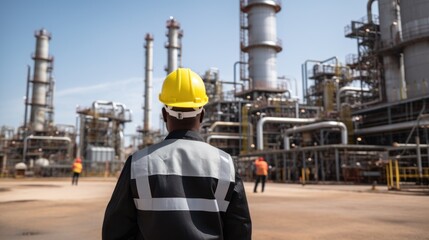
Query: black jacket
(180, 188)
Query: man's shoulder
(150, 149)
(175, 144)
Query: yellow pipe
(398, 179)
(387, 177)
(391, 173)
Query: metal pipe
(54, 138)
(235, 76)
(369, 10)
(419, 159)
(331, 58)
(123, 113)
(114, 107)
(209, 138)
(26, 100)
(262, 121)
(314, 126)
(304, 75)
(427, 145)
(95, 105)
(297, 108)
(240, 117)
(50, 93)
(409, 145)
(316, 163)
(344, 89)
(304, 78)
(221, 123)
(286, 143)
(337, 164)
(121, 146)
(391, 127)
(148, 82)
(322, 167)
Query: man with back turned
(182, 187)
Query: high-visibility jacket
(180, 188)
(77, 167)
(261, 167)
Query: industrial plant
(364, 120)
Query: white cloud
(98, 87)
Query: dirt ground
(54, 209)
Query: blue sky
(99, 55)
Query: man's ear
(202, 115)
(164, 115)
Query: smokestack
(174, 46)
(261, 43)
(148, 81)
(42, 62)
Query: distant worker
(261, 173)
(77, 170)
(182, 187)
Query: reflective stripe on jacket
(181, 188)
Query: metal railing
(398, 176)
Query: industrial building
(364, 120)
(356, 119)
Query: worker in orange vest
(261, 172)
(77, 170)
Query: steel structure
(366, 99)
(355, 119)
(102, 125)
(39, 139)
(221, 127)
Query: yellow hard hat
(183, 88)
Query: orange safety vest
(77, 167)
(261, 167)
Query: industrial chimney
(41, 81)
(148, 81)
(260, 43)
(174, 46)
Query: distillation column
(263, 45)
(415, 33)
(148, 82)
(390, 29)
(174, 46)
(40, 80)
